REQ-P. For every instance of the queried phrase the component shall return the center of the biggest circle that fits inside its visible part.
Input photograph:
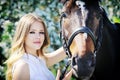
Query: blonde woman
(27, 60)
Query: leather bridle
(67, 42)
(84, 29)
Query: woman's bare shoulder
(21, 71)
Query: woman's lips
(37, 42)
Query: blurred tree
(112, 8)
(12, 10)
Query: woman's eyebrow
(36, 30)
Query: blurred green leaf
(116, 20)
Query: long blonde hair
(17, 49)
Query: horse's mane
(108, 23)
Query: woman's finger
(68, 75)
(58, 74)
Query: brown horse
(90, 40)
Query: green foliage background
(12, 10)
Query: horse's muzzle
(83, 67)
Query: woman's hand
(67, 76)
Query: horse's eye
(64, 15)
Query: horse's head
(81, 22)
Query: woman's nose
(37, 35)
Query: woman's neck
(31, 51)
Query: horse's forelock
(69, 4)
(88, 2)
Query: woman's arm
(55, 57)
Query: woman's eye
(41, 32)
(32, 32)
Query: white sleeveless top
(37, 67)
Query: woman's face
(35, 37)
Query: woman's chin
(37, 48)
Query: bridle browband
(67, 42)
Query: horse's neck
(110, 40)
